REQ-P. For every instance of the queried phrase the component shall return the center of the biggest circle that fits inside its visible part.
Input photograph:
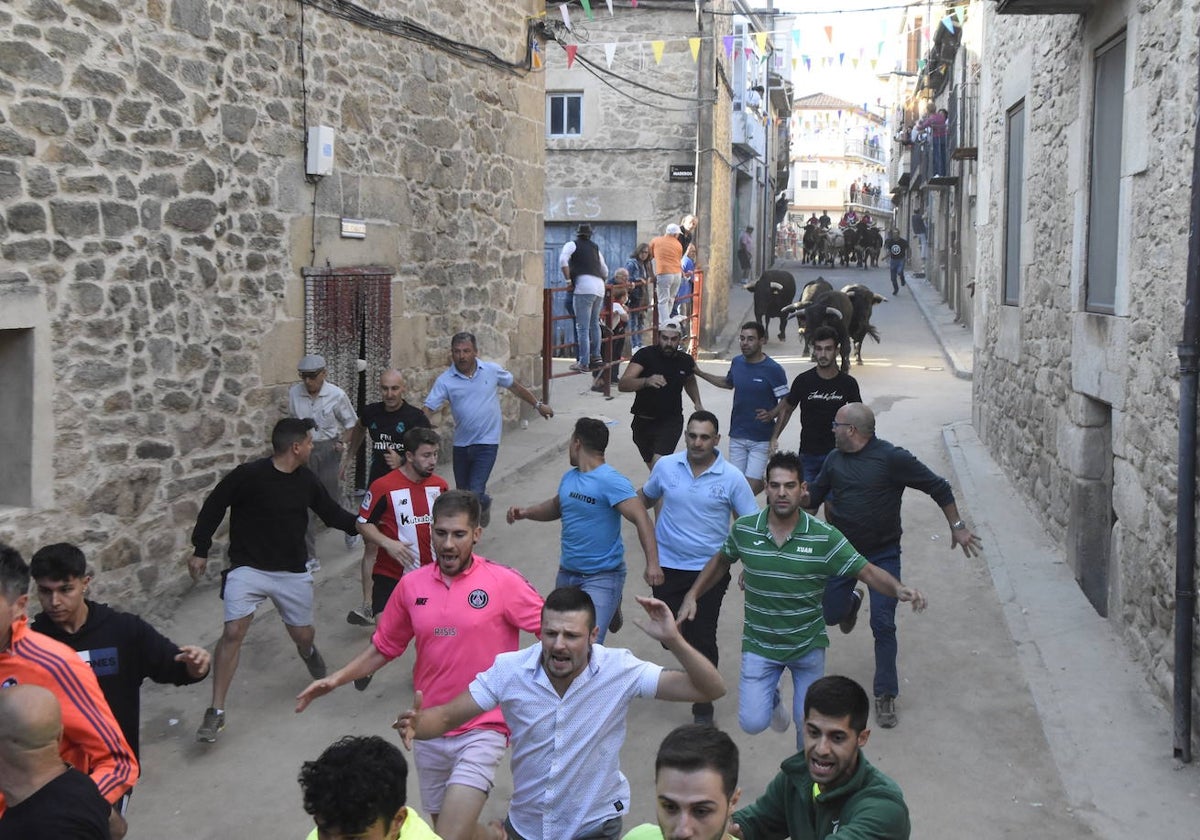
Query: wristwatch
(958, 525)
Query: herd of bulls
(847, 311)
(858, 245)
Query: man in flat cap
(329, 408)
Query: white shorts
(749, 456)
(468, 759)
(291, 593)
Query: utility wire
(353, 13)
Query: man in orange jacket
(92, 741)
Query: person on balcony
(937, 121)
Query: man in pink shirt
(667, 253)
(462, 611)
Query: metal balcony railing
(862, 149)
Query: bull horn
(777, 287)
(833, 310)
(791, 307)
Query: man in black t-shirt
(268, 502)
(46, 799)
(896, 248)
(659, 375)
(818, 392)
(385, 423)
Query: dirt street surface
(970, 752)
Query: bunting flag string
(759, 46)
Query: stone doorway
(348, 320)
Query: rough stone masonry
(155, 216)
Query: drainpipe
(1185, 516)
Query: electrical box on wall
(320, 150)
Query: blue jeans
(603, 587)
(836, 605)
(473, 467)
(897, 269)
(759, 685)
(587, 326)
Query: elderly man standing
(334, 420)
(667, 253)
(585, 271)
(867, 476)
(470, 386)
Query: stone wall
(617, 170)
(1080, 408)
(156, 215)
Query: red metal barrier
(691, 306)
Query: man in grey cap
(583, 267)
(329, 408)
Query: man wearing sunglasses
(329, 408)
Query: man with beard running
(567, 700)
(462, 612)
(829, 789)
(659, 375)
(818, 392)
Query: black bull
(774, 290)
(863, 301)
(829, 309)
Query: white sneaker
(780, 719)
(351, 541)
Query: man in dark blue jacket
(122, 648)
(867, 477)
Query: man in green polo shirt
(788, 556)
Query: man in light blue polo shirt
(591, 500)
(701, 492)
(471, 387)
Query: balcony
(863, 150)
(748, 133)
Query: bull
(774, 290)
(811, 289)
(872, 243)
(827, 309)
(849, 245)
(863, 301)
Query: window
(808, 179)
(564, 114)
(16, 417)
(1104, 193)
(1014, 200)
